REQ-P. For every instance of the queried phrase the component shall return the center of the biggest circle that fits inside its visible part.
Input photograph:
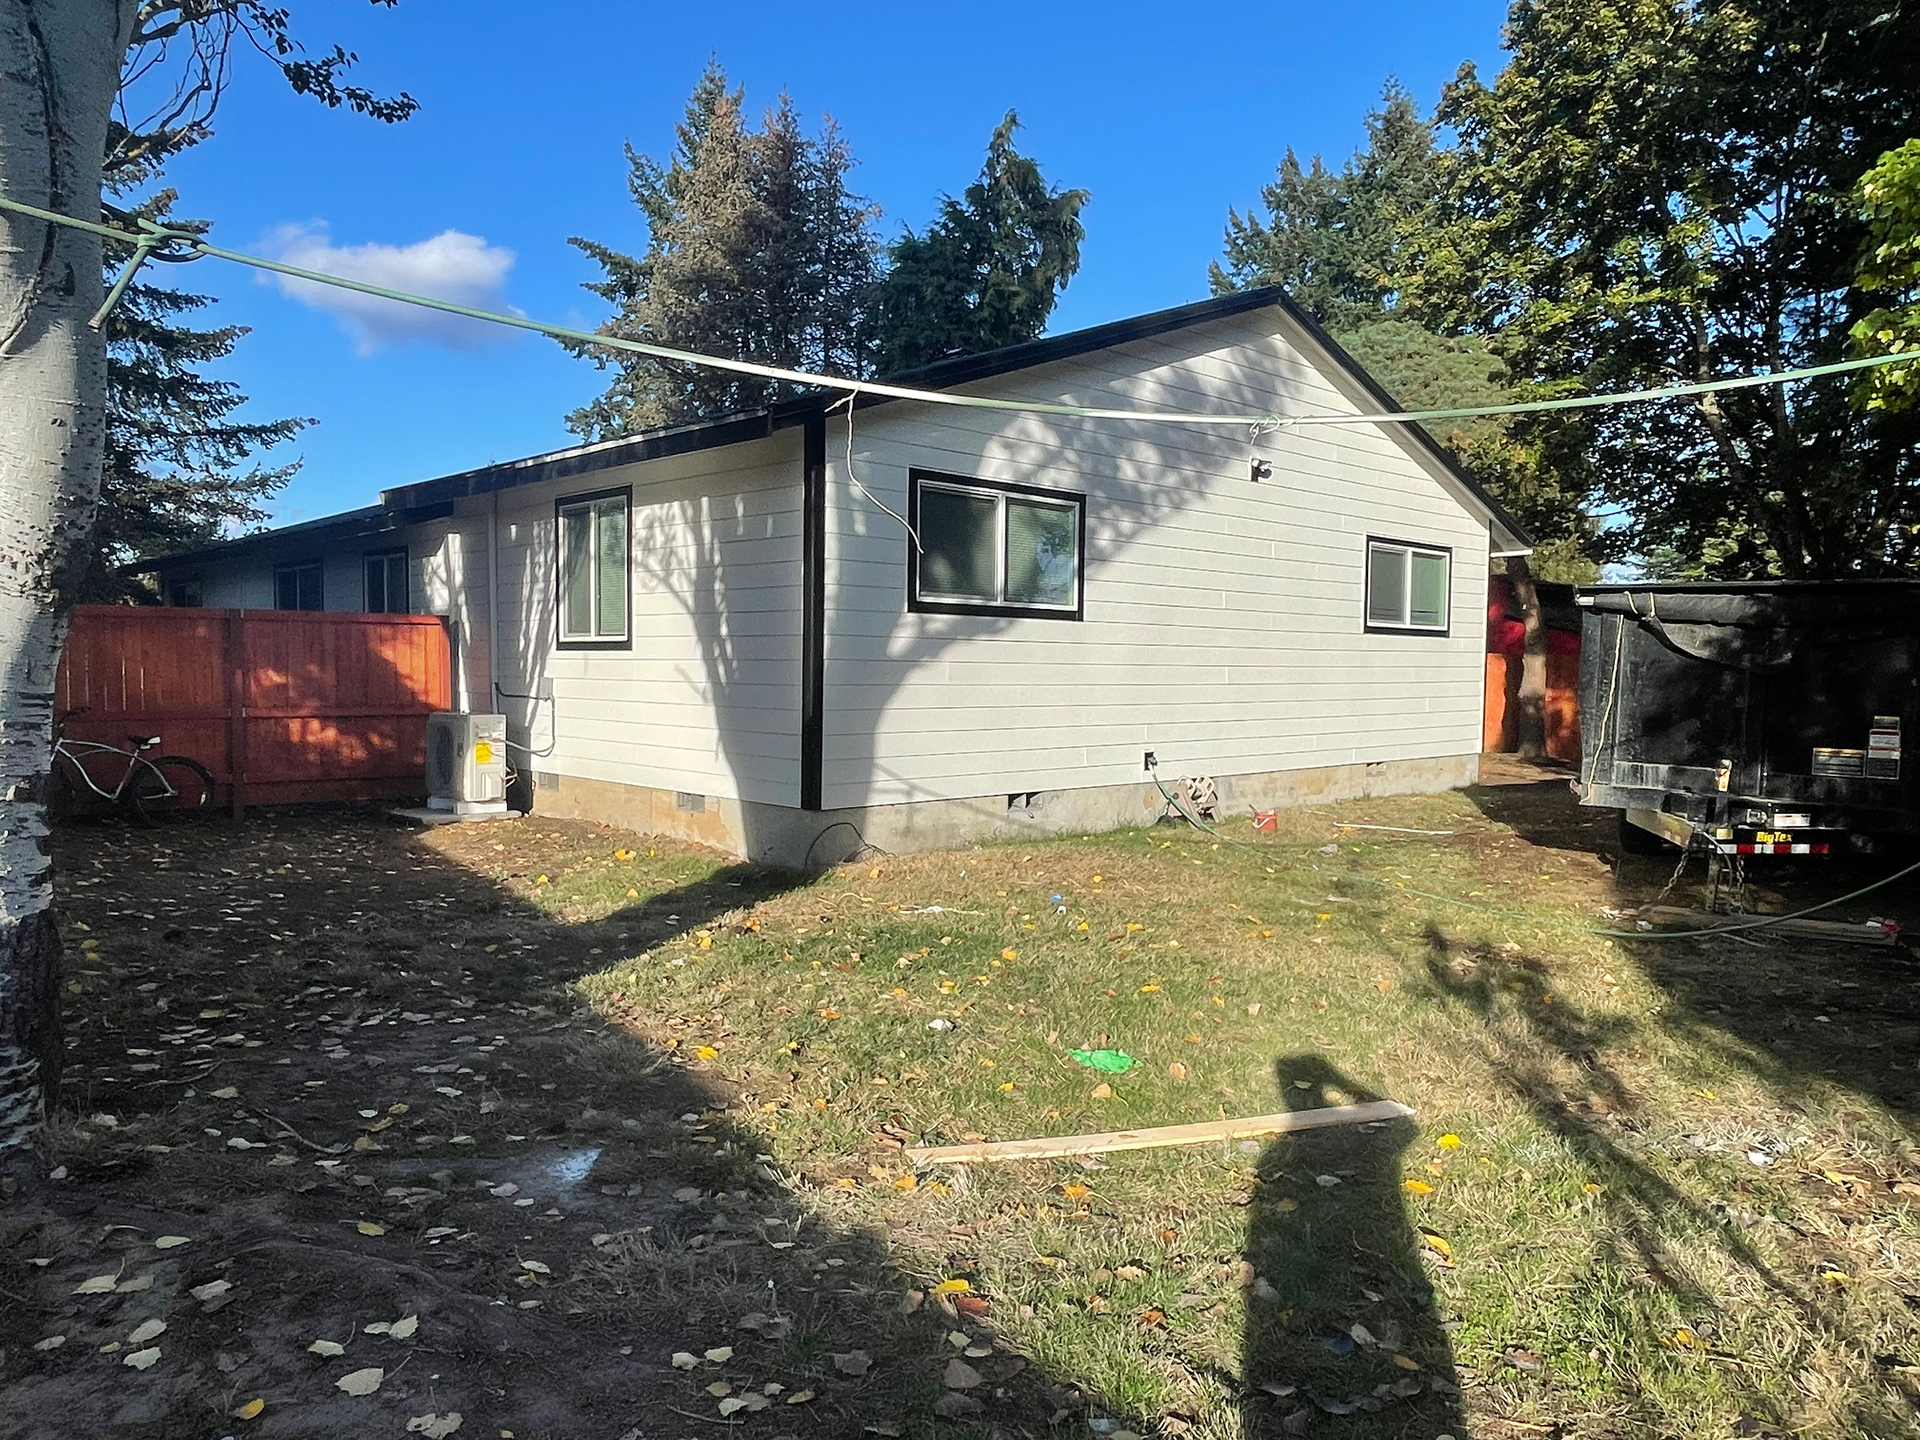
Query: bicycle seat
(143, 742)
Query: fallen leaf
(960, 1375)
(685, 1360)
(434, 1426)
(142, 1359)
(369, 1227)
(402, 1329)
(98, 1285)
(251, 1410)
(947, 1287)
(212, 1290)
(1102, 1091)
(853, 1362)
(719, 1388)
(168, 1242)
(225, 1092)
(52, 1342)
(1416, 1187)
(799, 1397)
(705, 1052)
(329, 1348)
(954, 1404)
(731, 1404)
(361, 1382)
(1177, 1070)
(147, 1330)
(537, 1267)
(1448, 1141)
(720, 1354)
(1439, 1246)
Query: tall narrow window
(387, 583)
(297, 587)
(594, 563)
(1407, 586)
(993, 548)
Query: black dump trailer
(1767, 718)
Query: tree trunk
(59, 71)
(1530, 723)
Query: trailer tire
(1635, 841)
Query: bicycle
(149, 788)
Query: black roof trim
(758, 424)
(564, 464)
(368, 520)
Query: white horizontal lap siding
(707, 697)
(1224, 620)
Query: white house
(716, 630)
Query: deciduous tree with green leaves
(986, 273)
(1655, 192)
(1889, 199)
(756, 250)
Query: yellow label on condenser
(482, 752)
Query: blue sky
(1167, 114)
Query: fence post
(237, 711)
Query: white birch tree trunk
(59, 71)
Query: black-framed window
(387, 582)
(993, 548)
(186, 593)
(298, 587)
(1408, 586)
(594, 564)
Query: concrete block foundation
(787, 835)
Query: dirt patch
(330, 1109)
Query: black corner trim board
(813, 611)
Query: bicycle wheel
(171, 785)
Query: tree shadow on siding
(688, 550)
(1344, 1333)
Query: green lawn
(1616, 1210)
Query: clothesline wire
(155, 241)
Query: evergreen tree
(1338, 242)
(986, 273)
(175, 474)
(756, 250)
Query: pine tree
(175, 473)
(1338, 242)
(986, 273)
(756, 249)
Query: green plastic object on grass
(1111, 1062)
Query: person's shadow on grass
(1344, 1334)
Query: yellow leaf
(370, 1227)
(541, 880)
(1076, 1191)
(828, 1013)
(1404, 1362)
(1150, 988)
(704, 939)
(1592, 1189)
(906, 1182)
(1438, 1245)
(1102, 1091)
(1098, 878)
(1836, 1277)
(1448, 1141)
(951, 1287)
(250, 1410)
(1416, 1187)
(1006, 1087)
(706, 1052)
(1009, 954)
(632, 894)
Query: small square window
(387, 583)
(593, 563)
(1407, 586)
(989, 548)
(186, 593)
(297, 587)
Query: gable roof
(737, 427)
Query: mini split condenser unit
(467, 763)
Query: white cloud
(450, 266)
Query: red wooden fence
(281, 706)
